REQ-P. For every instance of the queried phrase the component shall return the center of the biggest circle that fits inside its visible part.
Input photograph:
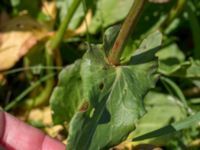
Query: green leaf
(147, 49)
(172, 63)
(109, 37)
(117, 10)
(63, 6)
(156, 105)
(67, 98)
(195, 27)
(151, 19)
(174, 127)
(105, 123)
(15, 2)
(189, 71)
(195, 101)
(115, 96)
(153, 16)
(174, 89)
(170, 58)
(21, 5)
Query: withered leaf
(17, 37)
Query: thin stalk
(50, 48)
(32, 68)
(42, 98)
(86, 23)
(195, 28)
(125, 31)
(174, 12)
(26, 92)
(54, 43)
(174, 89)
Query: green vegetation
(114, 73)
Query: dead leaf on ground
(41, 114)
(44, 115)
(49, 8)
(17, 37)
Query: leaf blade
(68, 94)
(189, 121)
(115, 95)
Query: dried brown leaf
(49, 8)
(17, 37)
(83, 27)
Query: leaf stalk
(51, 46)
(55, 41)
(127, 28)
(174, 12)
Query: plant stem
(125, 31)
(195, 28)
(54, 43)
(26, 92)
(174, 12)
(50, 48)
(42, 98)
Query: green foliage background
(101, 105)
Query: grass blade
(174, 127)
(26, 92)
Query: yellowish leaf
(49, 8)
(83, 27)
(17, 37)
